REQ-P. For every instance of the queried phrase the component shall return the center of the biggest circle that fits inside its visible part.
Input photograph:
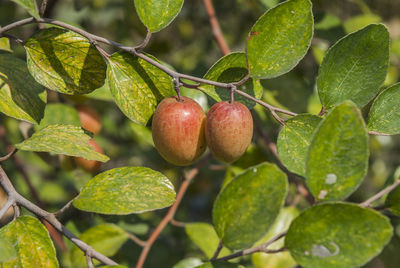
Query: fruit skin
(10, 212)
(91, 166)
(178, 130)
(229, 129)
(90, 119)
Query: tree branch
(49, 217)
(216, 29)
(43, 7)
(387, 190)
(94, 38)
(10, 154)
(188, 177)
(260, 248)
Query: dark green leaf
(58, 113)
(64, 61)
(30, 6)
(280, 39)
(231, 68)
(247, 207)
(281, 259)
(157, 14)
(205, 237)
(355, 67)
(384, 115)
(337, 158)
(137, 86)
(62, 139)
(337, 235)
(393, 201)
(31, 242)
(20, 95)
(105, 238)
(294, 140)
(126, 190)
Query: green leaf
(355, 67)
(5, 44)
(384, 115)
(157, 14)
(220, 265)
(21, 96)
(103, 93)
(393, 201)
(62, 139)
(205, 237)
(246, 208)
(137, 86)
(280, 39)
(329, 21)
(294, 140)
(357, 22)
(31, 242)
(281, 259)
(105, 238)
(30, 6)
(232, 68)
(58, 113)
(337, 235)
(188, 263)
(64, 61)
(337, 158)
(126, 190)
(8, 252)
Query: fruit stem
(232, 89)
(177, 85)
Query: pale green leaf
(294, 140)
(228, 69)
(357, 22)
(62, 139)
(31, 242)
(337, 158)
(65, 61)
(384, 115)
(8, 252)
(247, 207)
(126, 190)
(355, 67)
(280, 39)
(104, 238)
(157, 14)
(21, 96)
(337, 235)
(5, 44)
(188, 263)
(280, 259)
(103, 93)
(59, 114)
(205, 237)
(30, 6)
(136, 86)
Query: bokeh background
(188, 46)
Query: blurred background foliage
(188, 45)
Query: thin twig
(89, 261)
(92, 38)
(188, 177)
(49, 217)
(216, 29)
(377, 133)
(217, 251)
(387, 190)
(145, 41)
(260, 248)
(16, 39)
(17, 211)
(43, 7)
(136, 240)
(63, 209)
(10, 154)
(177, 223)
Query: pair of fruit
(181, 130)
